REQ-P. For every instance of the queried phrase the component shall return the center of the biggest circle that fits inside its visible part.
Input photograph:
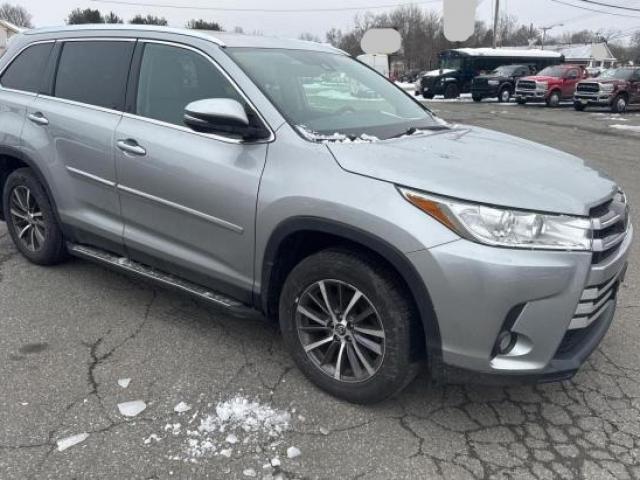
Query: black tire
(620, 104)
(579, 107)
(416, 93)
(521, 101)
(381, 287)
(428, 96)
(504, 95)
(554, 99)
(476, 98)
(452, 91)
(49, 247)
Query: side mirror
(221, 116)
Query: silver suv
(243, 171)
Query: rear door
(70, 133)
(634, 86)
(188, 199)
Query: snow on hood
(437, 73)
(334, 137)
(484, 166)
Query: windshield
(506, 70)
(551, 72)
(618, 73)
(450, 63)
(325, 93)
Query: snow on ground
(131, 409)
(124, 382)
(69, 442)
(406, 86)
(629, 128)
(238, 426)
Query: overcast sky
(538, 12)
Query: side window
(172, 77)
(26, 71)
(94, 72)
(572, 74)
(636, 76)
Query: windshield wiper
(413, 130)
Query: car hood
(482, 166)
(615, 81)
(542, 78)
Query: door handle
(38, 118)
(131, 146)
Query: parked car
(500, 84)
(458, 68)
(210, 163)
(551, 85)
(616, 89)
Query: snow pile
(335, 137)
(629, 128)
(238, 425)
(131, 409)
(124, 382)
(181, 408)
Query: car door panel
(188, 199)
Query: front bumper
(485, 91)
(476, 289)
(601, 99)
(532, 95)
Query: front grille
(588, 88)
(593, 302)
(427, 82)
(526, 85)
(480, 82)
(610, 221)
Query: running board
(129, 266)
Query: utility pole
(496, 19)
(544, 32)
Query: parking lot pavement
(68, 334)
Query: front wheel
(505, 95)
(348, 324)
(30, 219)
(619, 104)
(452, 91)
(553, 100)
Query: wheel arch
(11, 159)
(329, 232)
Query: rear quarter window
(94, 72)
(26, 71)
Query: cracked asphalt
(68, 333)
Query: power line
(597, 11)
(261, 10)
(609, 5)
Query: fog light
(506, 342)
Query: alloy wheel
(505, 95)
(340, 331)
(621, 105)
(27, 219)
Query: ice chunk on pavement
(181, 407)
(226, 452)
(249, 472)
(69, 442)
(124, 382)
(293, 452)
(275, 462)
(153, 436)
(324, 431)
(131, 409)
(231, 438)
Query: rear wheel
(554, 99)
(348, 324)
(505, 95)
(30, 219)
(452, 91)
(619, 104)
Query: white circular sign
(380, 41)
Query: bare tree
(309, 37)
(148, 20)
(201, 24)
(112, 18)
(79, 16)
(16, 14)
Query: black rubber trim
(387, 251)
(133, 78)
(49, 76)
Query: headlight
(493, 82)
(607, 87)
(502, 227)
(542, 85)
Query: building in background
(590, 55)
(7, 30)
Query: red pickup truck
(551, 85)
(615, 89)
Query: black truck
(501, 83)
(458, 68)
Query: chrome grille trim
(610, 226)
(588, 87)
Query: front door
(188, 199)
(571, 79)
